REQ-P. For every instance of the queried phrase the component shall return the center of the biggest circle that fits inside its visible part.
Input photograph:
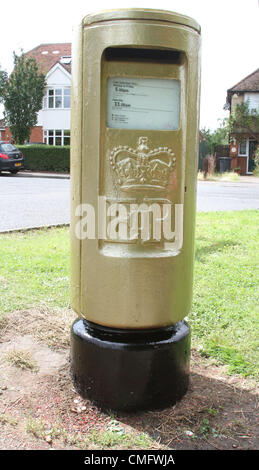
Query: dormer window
(66, 59)
(57, 98)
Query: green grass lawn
(34, 271)
(225, 309)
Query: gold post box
(134, 144)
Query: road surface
(33, 202)
(36, 202)
(228, 196)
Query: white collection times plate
(143, 103)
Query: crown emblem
(142, 168)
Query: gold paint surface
(76, 164)
(124, 284)
(141, 14)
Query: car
(11, 158)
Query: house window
(57, 98)
(57, 137)
(253, 101)
(66, 59)
(242, 149)
(66, 138)
(66, 97)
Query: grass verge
(224, 316)
(106, 439)
(34, 269)
(227, 176)
(34, 272)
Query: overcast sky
(230, 37)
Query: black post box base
(130, 370)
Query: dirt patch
(39, 409)
(21, 379)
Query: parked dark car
(11, 158)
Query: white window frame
(47, 96)
(55, 136)
(253, 101)
(66, 59)
(247, 149)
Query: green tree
(256, 159)
(3, 82)
(243, 120)
(22, 93)
(217, 137)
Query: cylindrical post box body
(134, 138)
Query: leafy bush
(46, 158)
(256, 158)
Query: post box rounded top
(141, 14)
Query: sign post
(134, 146)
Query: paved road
(35, 202)
(229, 196)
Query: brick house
(242, 150)
(2, 130)
(53, 126)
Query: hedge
(46, 158)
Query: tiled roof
(47, 55)
(67, 67)
(249, 83)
